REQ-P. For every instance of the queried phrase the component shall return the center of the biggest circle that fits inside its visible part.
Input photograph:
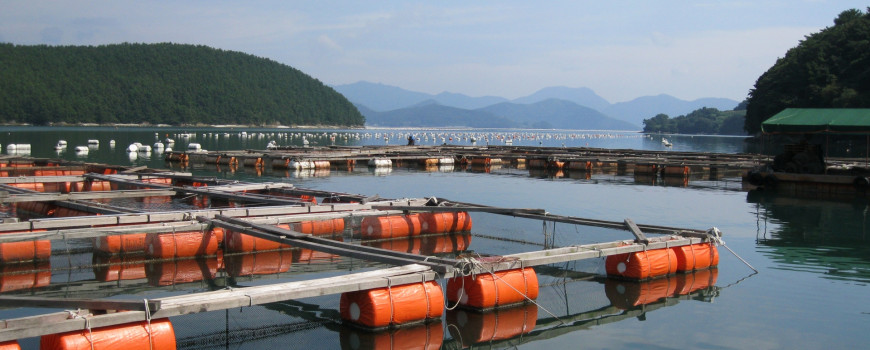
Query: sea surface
(812, 256)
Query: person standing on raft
(410, 140)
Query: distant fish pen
(145, 228)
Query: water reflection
(827, 238)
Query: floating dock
(145, 224)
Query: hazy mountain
(581, 96)
(380, 97)
(429, 114)
(635, 111)
(558, 114)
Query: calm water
(813, 257)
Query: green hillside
(161, 84)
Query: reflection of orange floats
(696, 256)
(261, 263)
(504, 323)
(308, 256)
(642, 265)
(166, 273)
(485, 291)
(117, 268)
(10, 345)
(380, 227)
(24, 276)
(181, 244)
(87, 186)
(130, 336)
(445, 222)
(12, 252)
(427, 336)
(33, 186)
(425, 244)
(696, 280)
(64, 212)
(384, 307)
(628, 294)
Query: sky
(620, 49)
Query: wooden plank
(451, 208)
(45, 197)
(78, 303)
(31, 179)
(638, 234)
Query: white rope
(148, 320)
(716, 236)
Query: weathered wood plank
(78, 303)
(45, 197)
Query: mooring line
(716, 236)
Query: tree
(829, 69)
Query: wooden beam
(46, 197)
(31, 179)
(638, 234)
(455, 208)
(78, 303)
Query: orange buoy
(129, 336)
(25, 276)
(320, 227)
(240, 242)
(445, 222)
(427, 336)
(695, 280)
(117, 244)
(259, 263)
(642, 265)
(629, 294)
(167, 273)
(379, 227)
(696, 256)
(504, 323)
(10, 345)
(33, 186)
(390, 306)
(489, 290)
(13, 252)
(180, 244)
(119, 268)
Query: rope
(390, 293)
(716, 236)
(148, 320)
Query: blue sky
(620, 49)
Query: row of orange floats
(654, 263)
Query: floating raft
(273, 226)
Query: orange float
(427, 336)
(12, 252)
(380, 227)
(10, 345)
(445, 222)
(117, 244)
(64, 212)
(240, 242)
(308, 256)
(167, 273)
(24, 276)
(259, 263)
(33, 186)
(489, 290)
(504, 323)
(320, 227)
(696, 256)
(130, 336)
(642, 265)
(390, 306)
(181, 244)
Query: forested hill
(161, 84)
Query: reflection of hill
(826, 237)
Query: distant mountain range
(551, 107)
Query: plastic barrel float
(489, 290)
(381, 308)
(158, 334)
(642, 265)
(14, 252)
